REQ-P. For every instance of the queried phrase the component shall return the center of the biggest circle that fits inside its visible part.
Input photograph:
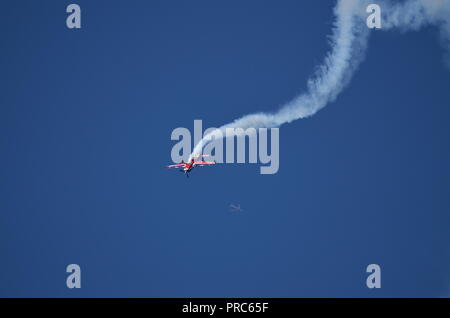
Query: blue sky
(85, 123)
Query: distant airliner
(236, 208)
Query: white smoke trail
(412, 15)
(348, 44)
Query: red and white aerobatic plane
(186, 167)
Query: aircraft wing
(177, 166)
(204, 163)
